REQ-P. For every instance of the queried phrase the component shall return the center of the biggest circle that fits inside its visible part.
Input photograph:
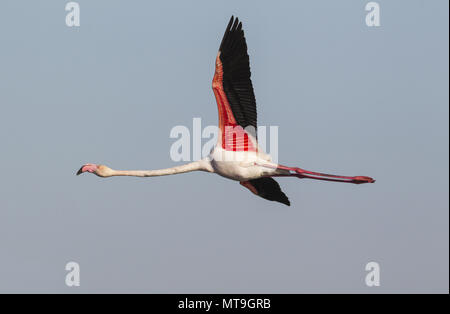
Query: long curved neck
(200, 165)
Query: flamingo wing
(268, 189)
(232, 85)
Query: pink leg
(301, 173)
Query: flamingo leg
(302, 173)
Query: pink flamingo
(236, 155)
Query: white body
(242, 165)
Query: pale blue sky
(347, 99)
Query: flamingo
(236, 155)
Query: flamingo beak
(80, 171)
(87, 167)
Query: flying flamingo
(236, 155)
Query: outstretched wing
(267, 188)
(231, 83)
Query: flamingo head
(99, 170)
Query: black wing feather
(269, 189)
(236, 75)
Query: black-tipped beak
(80, 171)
